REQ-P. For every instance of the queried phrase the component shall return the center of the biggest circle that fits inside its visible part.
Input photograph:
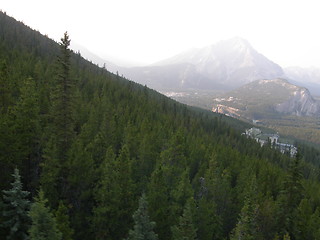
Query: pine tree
(143, 227)
(182, 192)
(26, 129)
(106, 195)
(207, 221)
(5, 88)
(63, 222)
(290, 197)
(62, 97)
(114, 196)
(44, 226)
(246, 227)
(60, 130)
(186, 229)
(16, 207)
(159, 203)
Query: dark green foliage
(185, 229)
(61, 129)
(207, 220)
(26, 128)
(159, 202)
(96, 142)
(143, 227)
(44, 226)
(62, 102)
(246, 227)
(15, 210)
(5, 88)
(63, 222)
(106, 197)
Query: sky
(146, 31)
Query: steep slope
(268, 97)
(225, 65)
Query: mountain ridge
(225, 65)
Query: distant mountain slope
(308, 77)
(225, 65)
(264, 98)
(175, 76)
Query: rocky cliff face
(266, 98)
(300, 103)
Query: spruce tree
(62, 97)
(246, 227)
(63, 222)
(26, 129)
(159, 203)
(60, 130)
(114, 196)
(186, 230)
(44, 226)
(290, 197)
(143, 227)
(106, 195)
(15, 210)
(5, 88)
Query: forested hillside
(79, 146)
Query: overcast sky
(145, 31)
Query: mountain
(225, 65)
(308, 77)
(266, 98)
(87, 54)
(174, 76)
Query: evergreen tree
(290, 197)
(106, 195)
(44, 226)
(15, 210)
(159, 203)
(207, 221)
(181, 193)
(143, 227)
(247, 226)
(63, 222)
(62, 98)
(5, 88)
(315, 223)
(186, 230)
(303, 225)
(114, 196)
(26, 129)
(61, 129)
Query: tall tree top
(65, 41)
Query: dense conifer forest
(87, 154)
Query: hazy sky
(145, 31)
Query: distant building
(273, 139)
(255, 121)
